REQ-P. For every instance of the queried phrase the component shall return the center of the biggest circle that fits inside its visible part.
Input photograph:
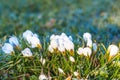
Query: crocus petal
(86, 36)
(42, 77)
(72, 59)
(87, 51)
(14, 41)
(27, 33)
(50, 49)
(113, 50)
(89, 43)
(34, 41)
(7, 48)
(27, 52)
(80, 51)
(60, 70)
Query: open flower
(86, 36)
(27, 52)
(8, 48)
(14, 41)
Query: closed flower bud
(76, 74)
(50, 49)
(35, 42)
(60, 70)
(89, 43)
(80, 51)
(14, 41)
(61, 43)
(69, 45)
(95, 47)
(112, 50)
(42, 61)
(87, 51)
(72, 59)
(27, 33)
(54, 44)
(8, 48)
(43, 77)
(27, 52)
(87, 36)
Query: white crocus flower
(80, 50)
(27, 33)
(72, 59)
(43, 77)
(89, 43)
(27, 52)
(32, 39)
(35, 42)
(95, 47)
(7, 48)
(14, 41)
(54, 44)
(61, 47)
(50, 49)
(61, 43)
(87, 36)
(60, 70)
(76, 73)
(87, 51)
(52, 37)
(42, 60)
(113, 50)
(69, 45)
(64, 36)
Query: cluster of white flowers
(31, 38)
(86, 51)
(58, 43)
(61, 43)
(8, 48)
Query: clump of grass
(101, 63)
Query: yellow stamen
(39, 46)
